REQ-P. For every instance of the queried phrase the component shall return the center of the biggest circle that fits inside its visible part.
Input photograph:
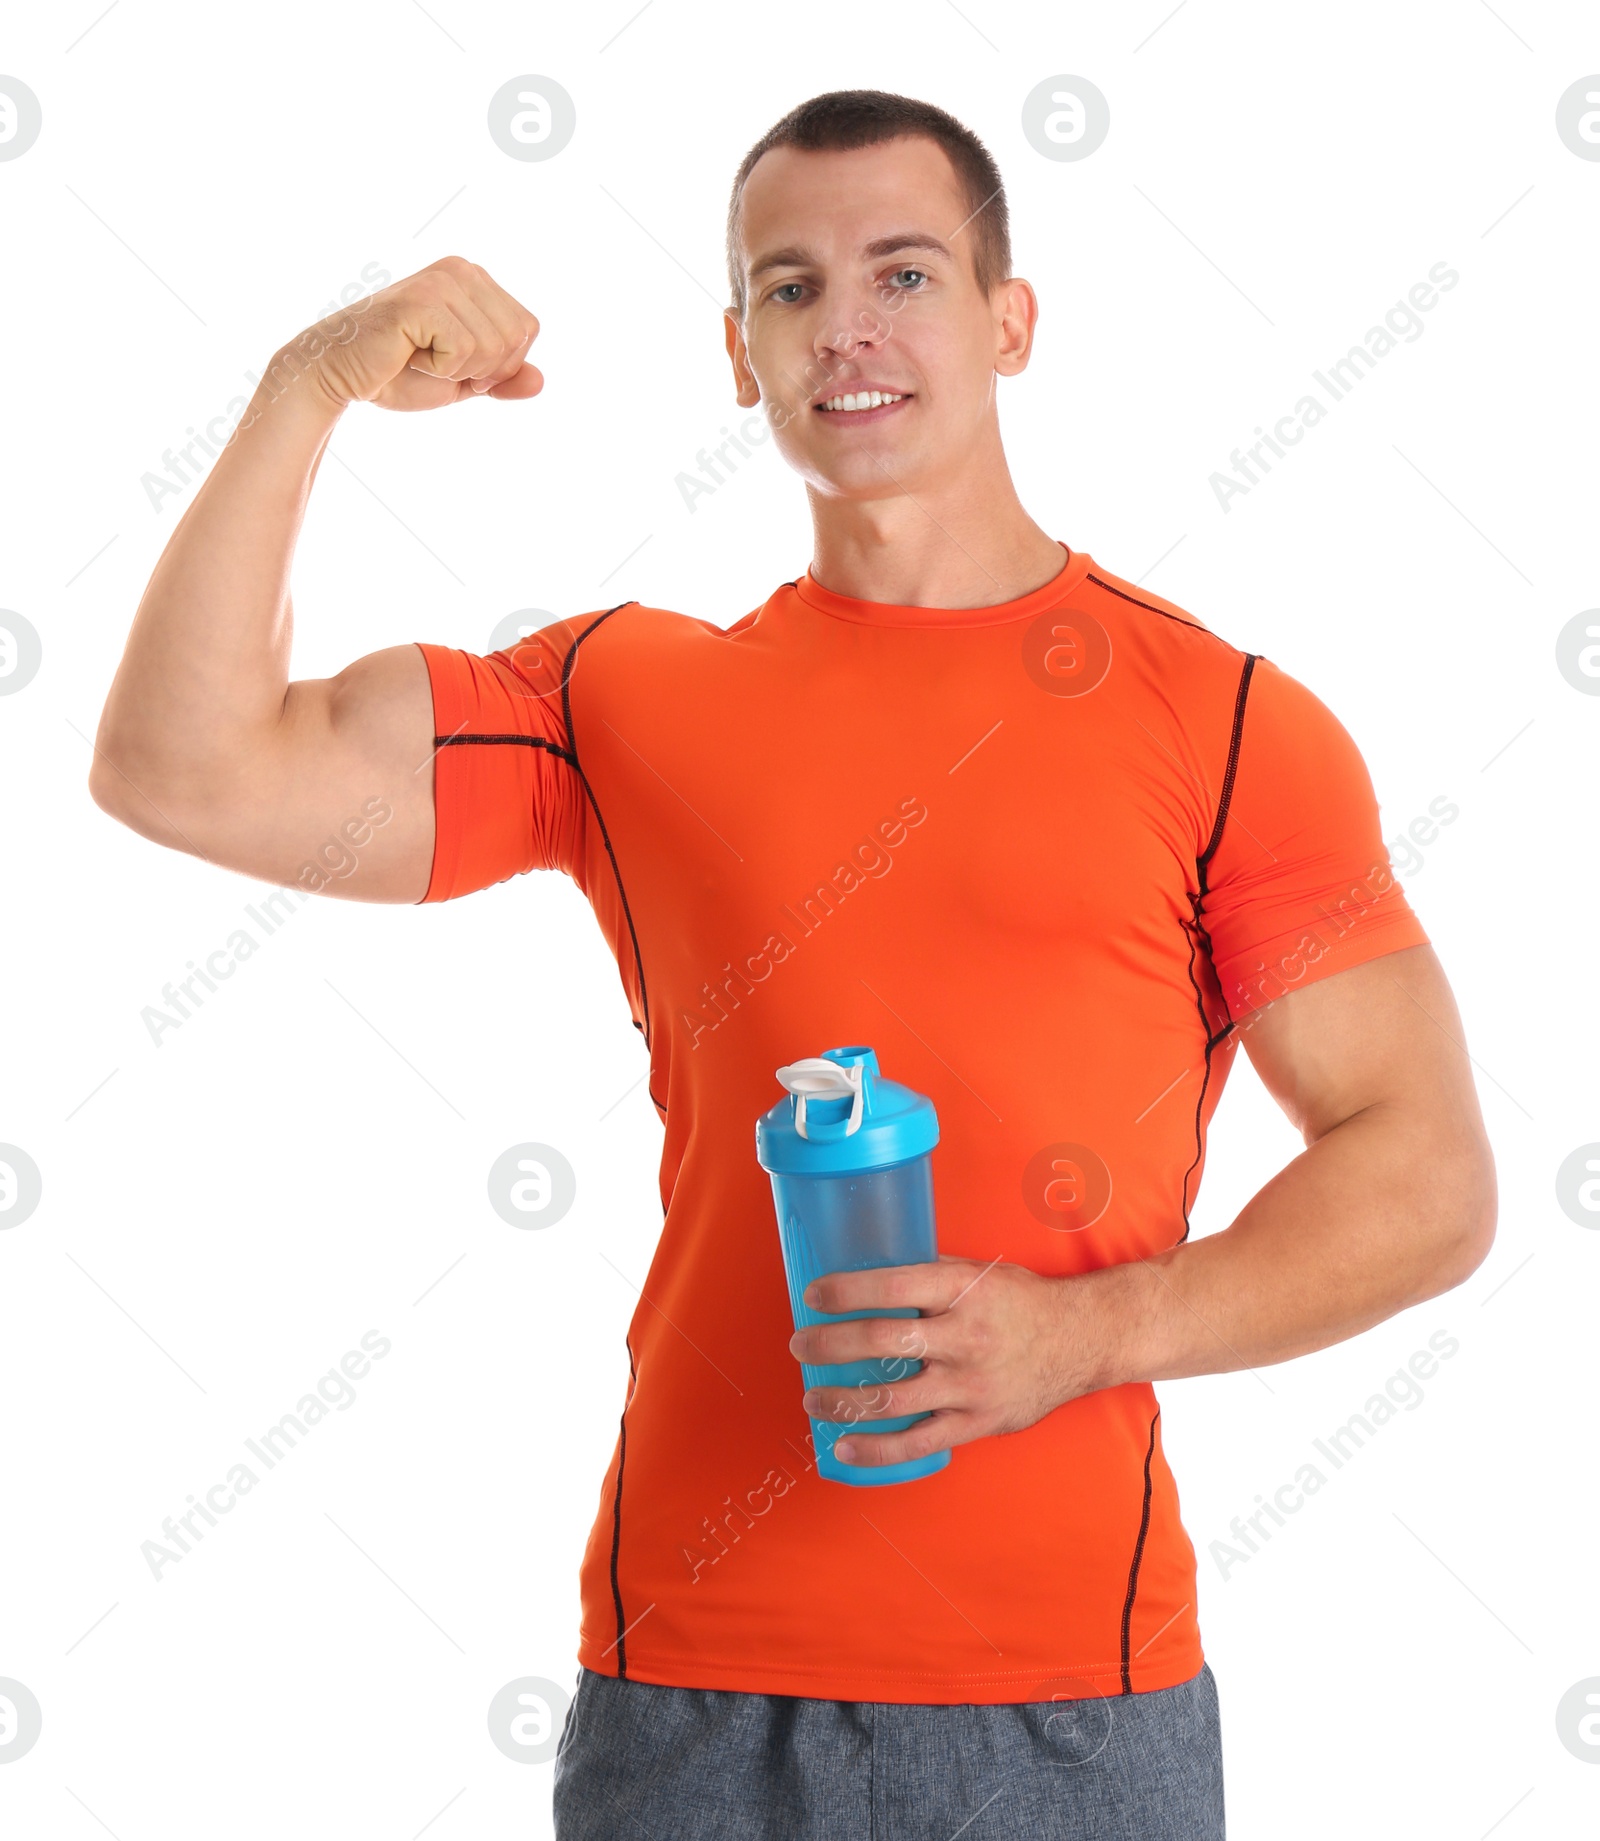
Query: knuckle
(904, 1350)
(886, 1334)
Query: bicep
(1382, 1033)
(338, 799)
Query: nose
(856, 324)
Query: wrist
(1104, 1313)
(273, 449)
(295, 387)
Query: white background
(304, 1160)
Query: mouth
(862, 405)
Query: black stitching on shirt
(1133, 1570)
(616, 1516)
(1194, 626)
(525, 741)
(1196, 903)
(605, 836)
(1232, 767)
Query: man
(959, 792)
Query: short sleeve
(507, 797)
(1299, 884)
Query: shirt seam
(889, 1674)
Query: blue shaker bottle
(852, 1181)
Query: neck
(965, 543)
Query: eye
(778, 293)
(898, 279)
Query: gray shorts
(704, 1764)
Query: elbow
(127, 790)
(103, 781)
(1473, 1220)
(109, 787)
(102, 789)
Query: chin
(897, 472)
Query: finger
(515, 327)
(923, 1393)
(527, 381)
(488, 347)
(883, 1287)
(892, 1340)
(441, 342)
(520, 329)
(938, 1433)
(518, 342)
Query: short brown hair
(849, 118)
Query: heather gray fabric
(704, 1764)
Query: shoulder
(642, 624)
(1169, 654)
(649, 636)
(1177, 665)
(1135, 610)
(634, 650)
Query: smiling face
(859, 280)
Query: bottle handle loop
(815, 1077)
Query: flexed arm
(205, 744)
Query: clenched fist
(446, 333)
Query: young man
(957, 791)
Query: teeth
(863, 399)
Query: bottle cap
(839, 1115)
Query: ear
(1016, 308)
(747, 393)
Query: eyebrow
(799, 257)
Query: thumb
(527, 380)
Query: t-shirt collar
(884, 613)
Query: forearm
(206, 665)
(1373, 1217)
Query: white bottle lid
(816, 1077)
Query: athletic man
(958, 791)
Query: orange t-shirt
(1043, 857)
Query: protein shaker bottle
(852, 1181)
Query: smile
(863, 403)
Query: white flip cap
(816, 1077)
